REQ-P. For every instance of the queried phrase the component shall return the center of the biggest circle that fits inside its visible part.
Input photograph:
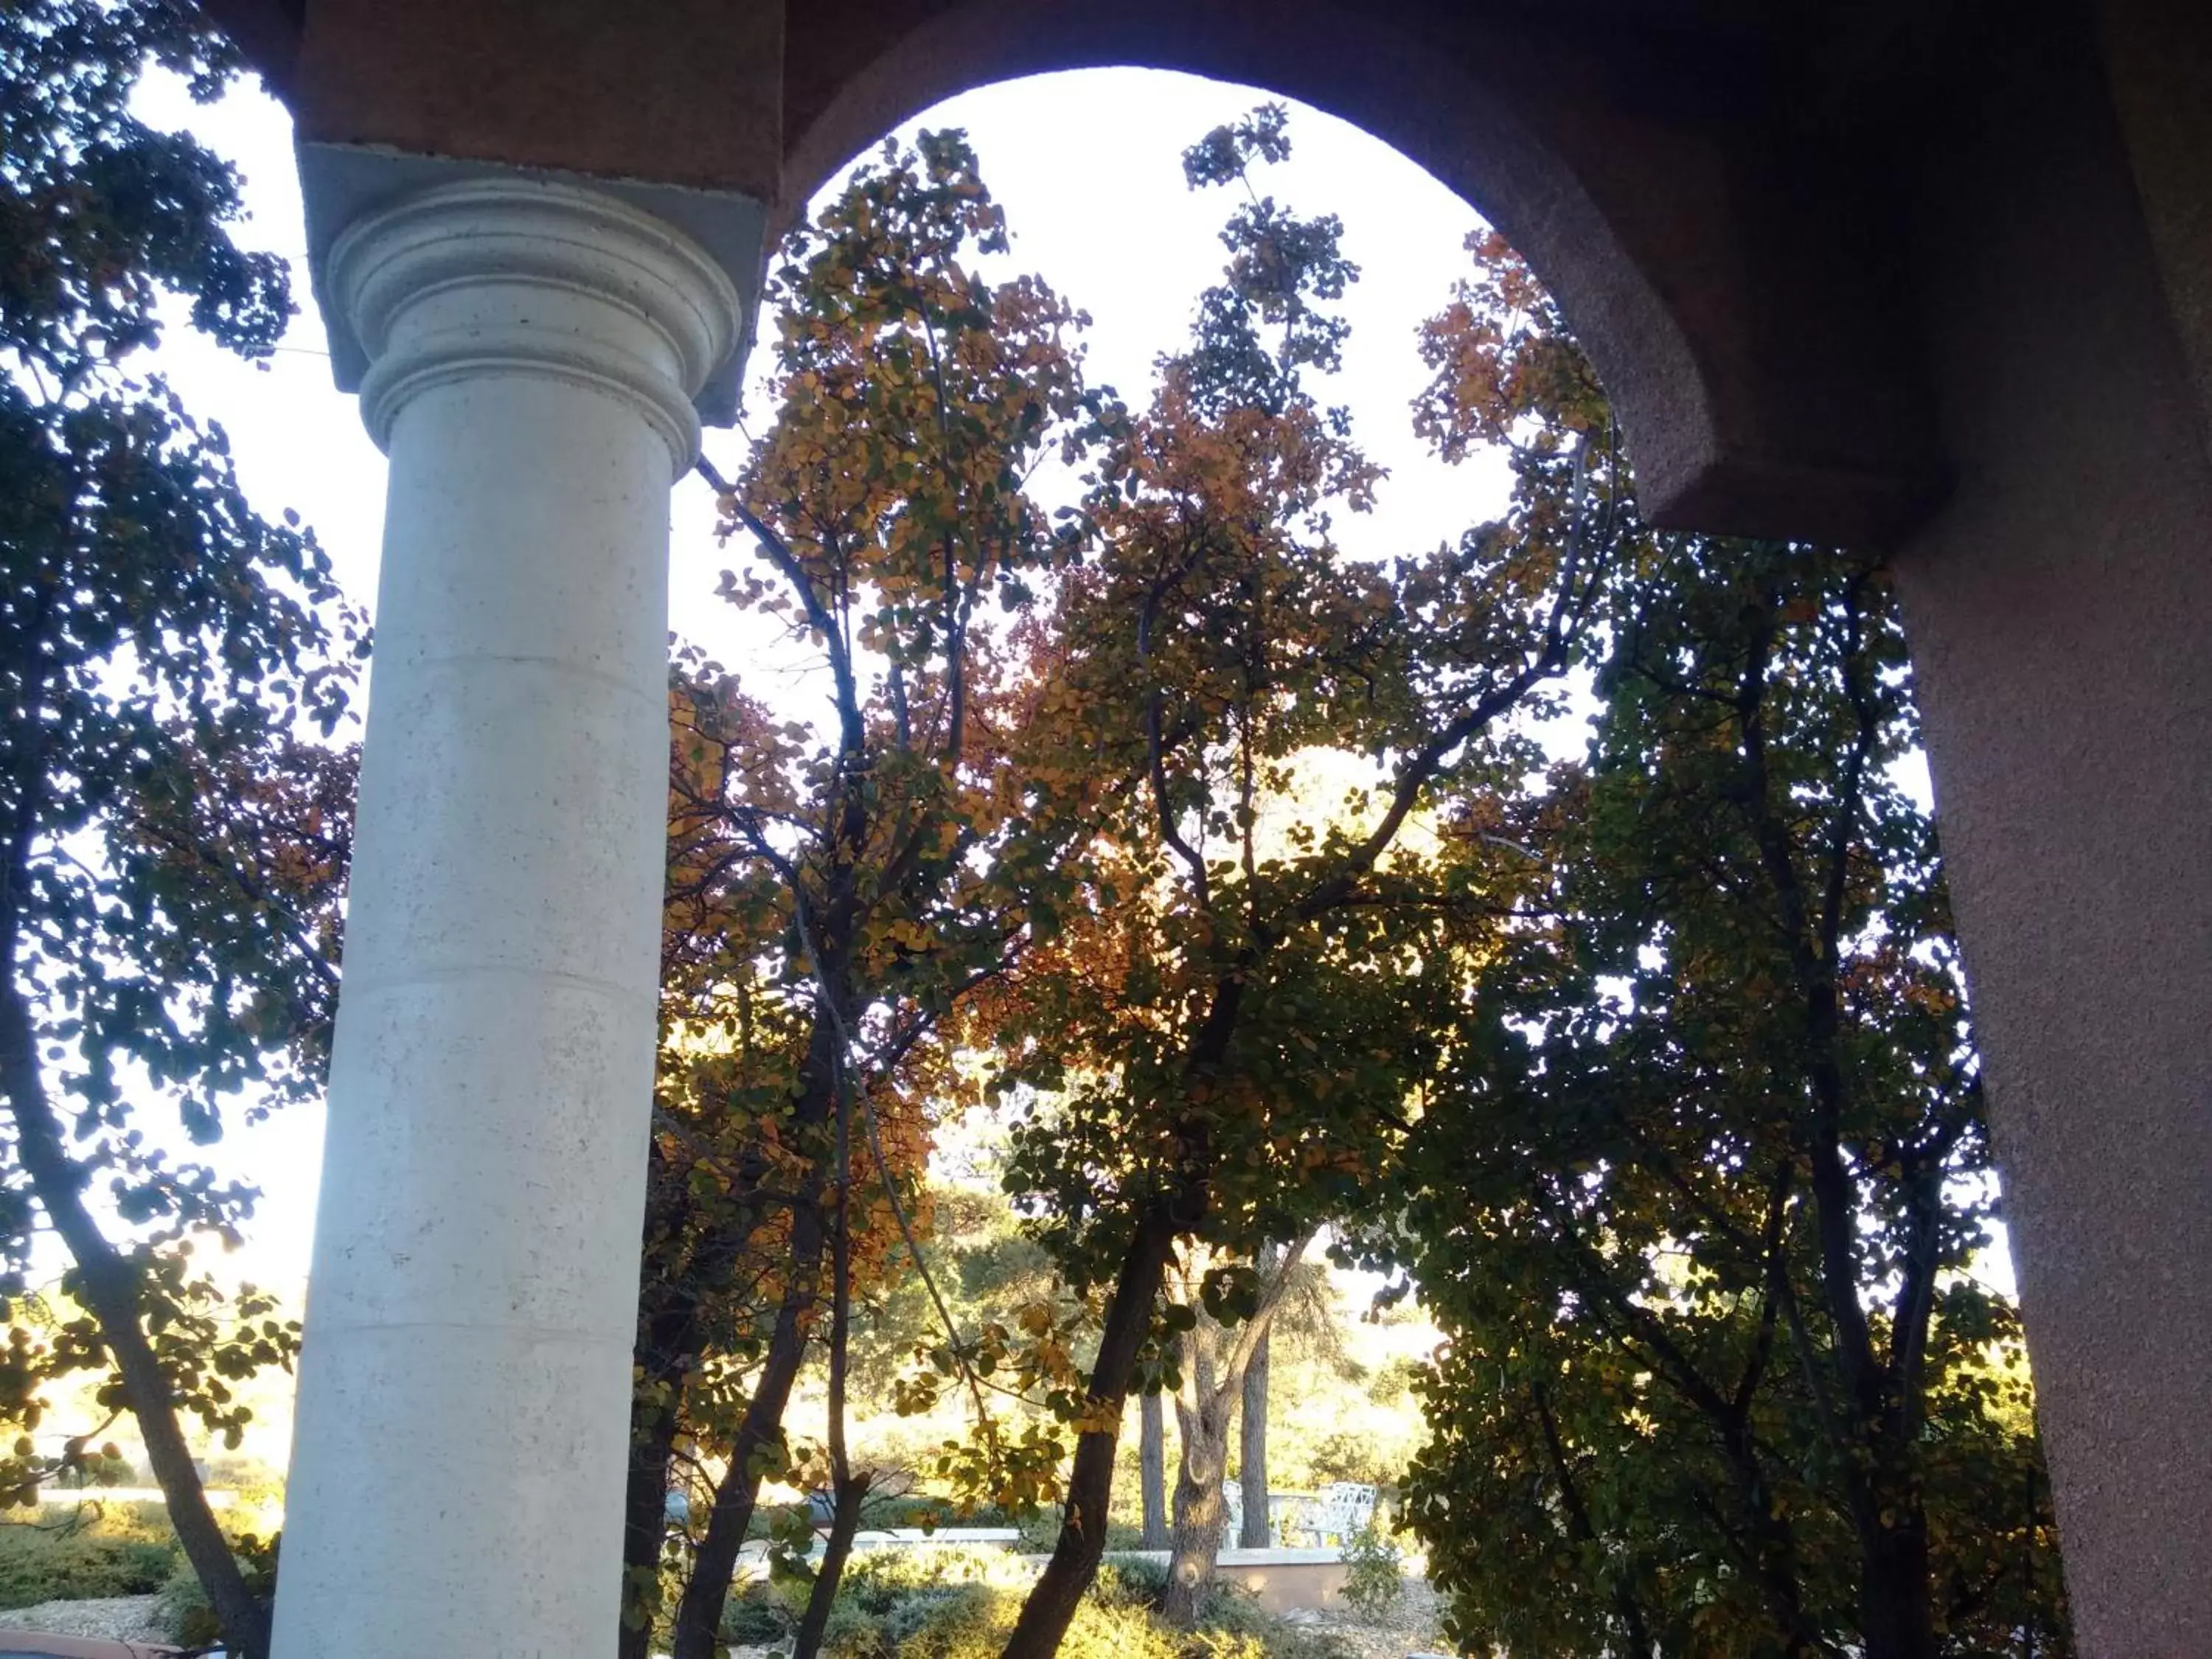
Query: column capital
(507, 274)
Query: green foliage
(1375, 1571)
(1283, 270)
(45, 1561)
(1697, 1200)
(171, 848)
(1039, 1527)
(99, 215)
(948, 1604)
(755, 1617)
(1231, 1624)
(1131, 1578)
(986, 1267)
(186, 1613)
(174, 851)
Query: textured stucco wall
(2061, 613)
(681, 92)
(2158, 59)
(1721, 259)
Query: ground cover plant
(952, 1604)
(121, 1551)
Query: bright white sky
(1110, 225)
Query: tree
(1257, 1531)
(1215, 1360)
(171, 850)
(1698, 1200)
(871, 875)
(1153, 1469)
(724, 1166)
(978, 1266)
(727, 1167)
(1228, 1028)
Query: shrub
(184, 1613)
(972, 1621)
(962, 1604)
(919, 1510)
(1138, 1578)
(186, 1618)
(75, 1563)
(879, 1580)
(887, 1597)
(954, 1621)
(1233, 1625)
(1375, 1572)
(1039, 1529)
(754, 1617)
(1117, 1630)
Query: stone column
(458, 1466)
(2061, 618)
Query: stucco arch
(1442, 113)
(1759, 392)
(1718, 243)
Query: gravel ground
(1408, 1628)
(113, 1618)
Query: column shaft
(458, 1457)
(2061, 614)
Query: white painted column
(459, 1453)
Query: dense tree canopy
(1231, 1028)
(172, 842)
(847, 883)
(1600, 1055)
(1697, 1197)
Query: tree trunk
(1153, 1469)
(1215, 1370)
(1258, 1531)
(667, 1339)
(1202, 1415)
(707, 1592)
(644, 1512)
(1896, 1614)
(851, 1496)
(699, 1613)
(850, 1492)
(1074, 1561)
(108, 1284)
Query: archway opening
(1835, 631)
